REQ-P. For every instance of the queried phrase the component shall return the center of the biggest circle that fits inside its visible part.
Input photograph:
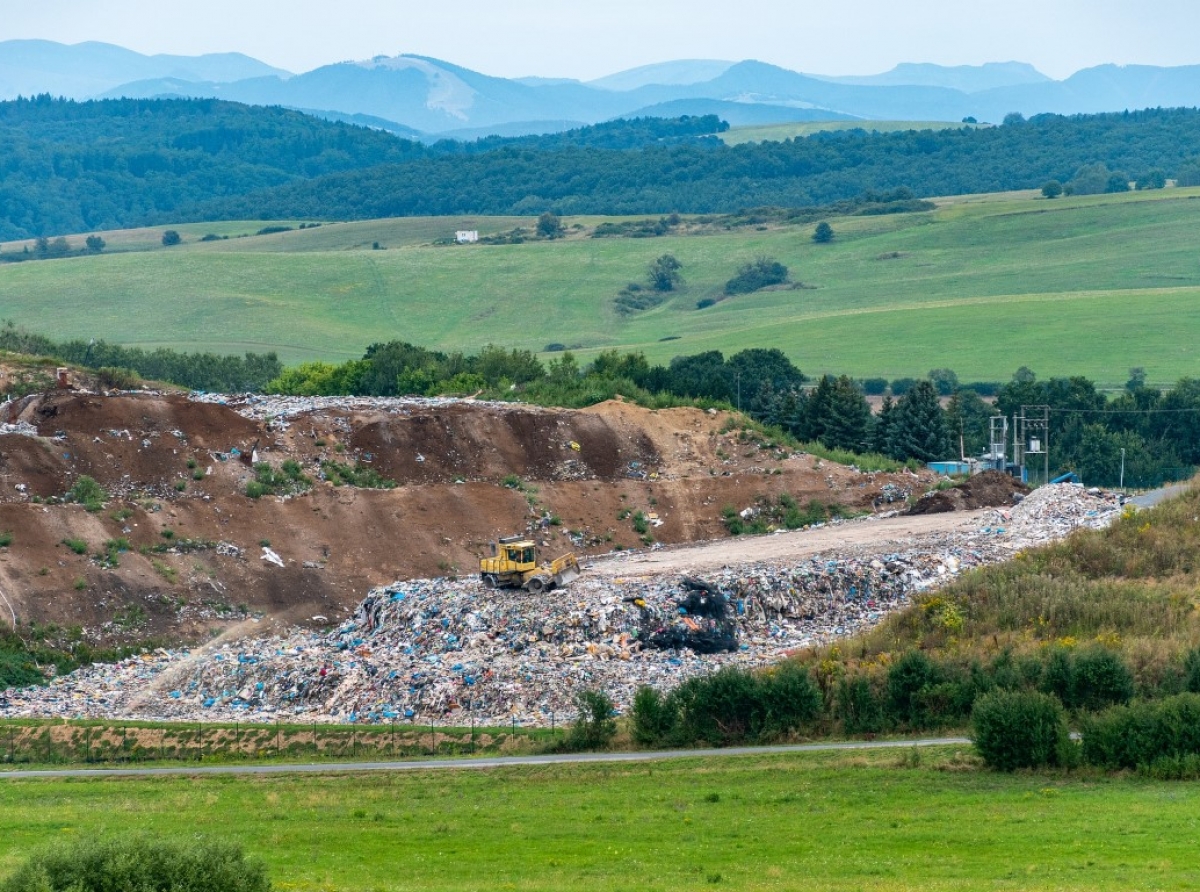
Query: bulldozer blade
(570, 574)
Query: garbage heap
(448, 651)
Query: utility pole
(1033, 438)
(1122, 468)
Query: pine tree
(885, 426)
(920, 429)
(849, 417)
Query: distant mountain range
(420, 96)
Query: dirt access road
(788, 546)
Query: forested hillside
(822, 168)
(79, 167)
(82, 166)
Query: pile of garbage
(267, 407)
(447, 652)
(1054, 511)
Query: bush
(171, 237)
(762, 273)
(722, 709)
(115, 378)
(289, 479)
(1017, 729)
(139, 863)
(88, 493)
(1099, 679)
(858, 706)
(653, 720)
(910, 678)
(1142, 734)
(595, 727)
(792, 700)
(17, 670)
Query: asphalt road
(478, 763)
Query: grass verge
(883, 821)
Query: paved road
(478, 763)
(1152, 498)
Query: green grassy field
(982, 285)
(735, 136)
(813, 821)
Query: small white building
(466, 236)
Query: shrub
(721, 709)
(1191, 671)
(6, 538)
(357, 475)
(115, 378)
(791, 699)
(910, 678)
(1020, 729)
(595, 727)
(289, 479)
(762, 273)
(1142, 734)
(859, 707)
(653, 720)
(1099, 679)
(88, 493)
(139, 863)
(17, 670)
(171, 237)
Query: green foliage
(823, 234)
(761, 273)
(200, 371)
(289, 479)
(17, 670)
(1099, 678)
(139, 862)
(1020, 729)
(826, 167)
(728, 707)
(171, 238)
(1140, 734)
(859, 706)
(549, 225)
(358, 475)
(594, 727)
(115, 378)
(1052, 189)
(6, 538)
(87, 492)
(664, 273)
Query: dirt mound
(991, 489)
(177, 550)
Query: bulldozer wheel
(490, 581)
(536, 585)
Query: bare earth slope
(467, 473)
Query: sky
(584, 39)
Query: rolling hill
(1088, 285)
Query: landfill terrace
(451, 651)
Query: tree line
(125, 366)
(87, 166)
(1141, 436)
(701, 179)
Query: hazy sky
(590, 38)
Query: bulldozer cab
(521, 555)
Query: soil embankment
(188, 542)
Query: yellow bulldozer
(514, 564)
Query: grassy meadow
(735, 136)
(984, 284)
(871, 820)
